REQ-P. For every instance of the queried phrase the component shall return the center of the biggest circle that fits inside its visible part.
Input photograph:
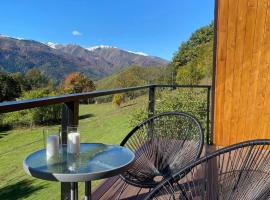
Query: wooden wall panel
(242, 79)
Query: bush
(118, 99)
(103, 99)
(35, 116)
(192, 101)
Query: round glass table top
(95, 161)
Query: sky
(155, 27)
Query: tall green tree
(188, 51)
(35, 79)
(21, 79)
(193, 60)
(9, 88)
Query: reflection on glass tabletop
(95, 161)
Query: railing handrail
(183, 86)
(45, 101)
(11, 106)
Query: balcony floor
(111, 188)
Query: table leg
(74, 191)
(87, 194)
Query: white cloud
(76, 33)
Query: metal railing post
(151, 103)
(208, 134)
(70, 116)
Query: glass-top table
(95, 161)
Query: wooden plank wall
(242, 74)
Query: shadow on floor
(19, 190)
(86, 116)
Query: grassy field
(98, 123)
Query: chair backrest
(163, 144)
(240, 171)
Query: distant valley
(56, 61)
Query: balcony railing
(70, 108)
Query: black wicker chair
(163, 144)
(240, 171)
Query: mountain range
(56, 61)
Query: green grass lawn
(99, 123)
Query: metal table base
(87, 194)
(74, 191)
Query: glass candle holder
(52, 143)
(73, 140)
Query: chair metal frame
(173, 185)
(150, 120)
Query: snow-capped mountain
(56, 60)
(111, 59)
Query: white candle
(73, 143)
(52, 146)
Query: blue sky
(156, 27)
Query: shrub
(190, 101)
(35, 116)
(118, 99)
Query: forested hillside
(192, 63)
(135, 76)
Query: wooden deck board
(115, 187)
(110, 188)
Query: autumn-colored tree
(76, 82)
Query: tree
(193, 61)
(35, 79)
(76, 82)
(21, 80)
(188, 50)
(9, 88)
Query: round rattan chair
(163, 145)
(240, 171)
